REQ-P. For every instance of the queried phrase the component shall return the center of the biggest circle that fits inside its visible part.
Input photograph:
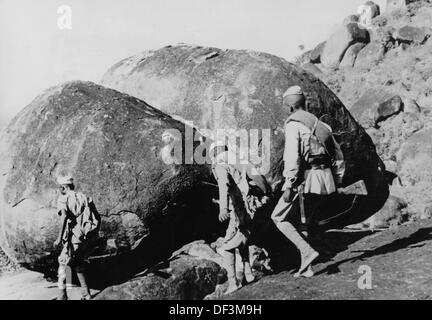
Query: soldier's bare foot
(249, 276)
(306, 274)
(307, 261)
(232, 288)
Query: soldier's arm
(339, 163)
(221, 174)
(291, 155)
(63, 226)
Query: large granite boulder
(112, 144)
(338, 43)
(243, 90)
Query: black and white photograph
(216, 155)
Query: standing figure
(234, 181)
(78, 234)
(313, 166)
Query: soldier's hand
(224, 215)
(57, 243)
(288, 195)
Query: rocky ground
(7, 265)
(400, 260)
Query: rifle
(357, 189)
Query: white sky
(35, 54)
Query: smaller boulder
(315, 55)
(351, 55)
(414, 161)
(184, 278)
(375, 106)
(352, 18)
(340, 41)
(411, 106)
(370, 55)
(410, 35)
(367, 12)
(391, 215)
(312, 68)
(389, 108)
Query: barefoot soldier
(242, 191)
(79, 228)
(313, 166)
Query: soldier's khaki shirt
(319, 181)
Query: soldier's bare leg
(247, 269)
(229, 261)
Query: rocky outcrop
(112, 144)
(340, 41)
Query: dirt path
(400, 262)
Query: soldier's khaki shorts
(75, 254)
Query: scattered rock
(367, 12)
(352, 18)
(415, 169)
(394, 132)
(375, 106)
(370, 55)
(427, 213)
(389, 108)
(391, 215)
(410, 35)
(184, 279)
(340, 41)
(411, 106)
(315, 56)
(395, 5)
(351, 55)
(305, 58)
(312, 68)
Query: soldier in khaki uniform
(234, 192)
(313, 166)
(79, 228)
